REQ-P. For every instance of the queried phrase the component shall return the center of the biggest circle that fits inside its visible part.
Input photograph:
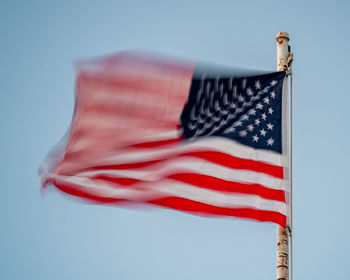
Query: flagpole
(283, 56)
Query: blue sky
(60, 238)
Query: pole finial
(282, 36)
(283, 51)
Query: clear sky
(60, 238)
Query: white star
(240, 98)
(259, 106)
(270, 141)
(263, 116)
(207, 89)
(192, 126)
(200, 120)
(212, 93)
(266, 100)
(250, 127)
(245, 117)
(273, 94)
(233, 105)
(207, 125)
(257, 84)
(230, 129)
(207, 112)
(249, 91)
(257, 121)
(266, 89)
(262, 132)
(221, 90)
(225, 100)
(252, 112)
(270, 111)
(216, 105)
(239, 123)
(255, 138)
(243, 133)
(216, 119)
(244, 82)
(235, 91)
(270, 126)
(272, 83)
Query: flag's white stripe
(91, 120)
(220, 144)
(129, 115)
(222, 199)
(104, 189)
(162, 135)
(135, 138)
(135, 72)
(193, 165)
(144, 99)
(177, 189)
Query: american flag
(147, 130)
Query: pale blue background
(60, 238)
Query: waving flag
(146, 130)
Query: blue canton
(247, 110)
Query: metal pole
(282, 234)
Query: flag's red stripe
(186, 205)
(128, 109)
(76, 155)
(120, 181)
(159, 143)
(203, 181)
(211, 156)
(208, 182)
(124, 166)
(102, 124)
(123, 84)
(238, 163)
(195, 207)
(75, 191)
